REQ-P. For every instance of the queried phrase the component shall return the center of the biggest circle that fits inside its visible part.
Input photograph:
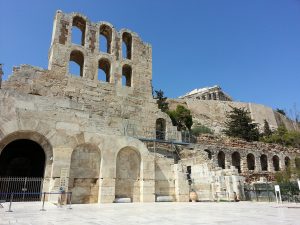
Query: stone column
(107, 181)
(243, 164)
(257, 164)
(181, 184)
(270, 164)
(217, 95)
(60, 171)
(147, 185)
(228, 160)
(281, 162)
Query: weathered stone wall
(213, 113)
(83, 123)
(252, 169)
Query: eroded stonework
(105, 139)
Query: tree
(239, 124)
(181, 117)
(267, 130)
(161, 101)
(281, 111)
(284, 137)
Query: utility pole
(1, 74)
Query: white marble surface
(153, 213)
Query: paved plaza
(153, 213)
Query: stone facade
(103, 140)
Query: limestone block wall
(213, 113)
(253, 160)
(164, 176)
(139, 58)
(212, 183)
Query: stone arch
(85, 173)
(221, 159)
(78, 58)
(106, 33)
(128, 172)
(250, 161)
(264, 162)
(287, 161)
(22, 158)
(126, 45)
(275, 160)
(79, 23)
(105, 66)
(40, 140)
(209, 154)
(126, 75)
(236, 160)
(160, 129)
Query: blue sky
(251, 48)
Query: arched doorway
(236, 161)
(84, 174)
(221, 159)
(209, 155)
(250, 161)
(128, 174)
(276, 163)
(22, 168)
(264, 162)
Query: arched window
(297, 162)
(76, 63)
(78, 30)
(126, 45)
(160, 129)
(126, 76)
(105, 38)
(208, 153)
(221, 159)
(287, 161)
(236, 160)
(264, 162)
(276, 163)
(104, 70)
(250, 161)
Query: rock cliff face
(213, 113)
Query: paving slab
(164, 213)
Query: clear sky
(251, 48)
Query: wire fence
(265, 192)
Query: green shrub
(201, 129)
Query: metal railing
(64, 198)
(21, 186)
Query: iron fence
(265, 192)
(24, 188)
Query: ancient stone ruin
(104, 138)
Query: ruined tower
(134, 65)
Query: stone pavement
(153, 213)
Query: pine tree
(267, 130)
(239, 124)
(161, 101)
